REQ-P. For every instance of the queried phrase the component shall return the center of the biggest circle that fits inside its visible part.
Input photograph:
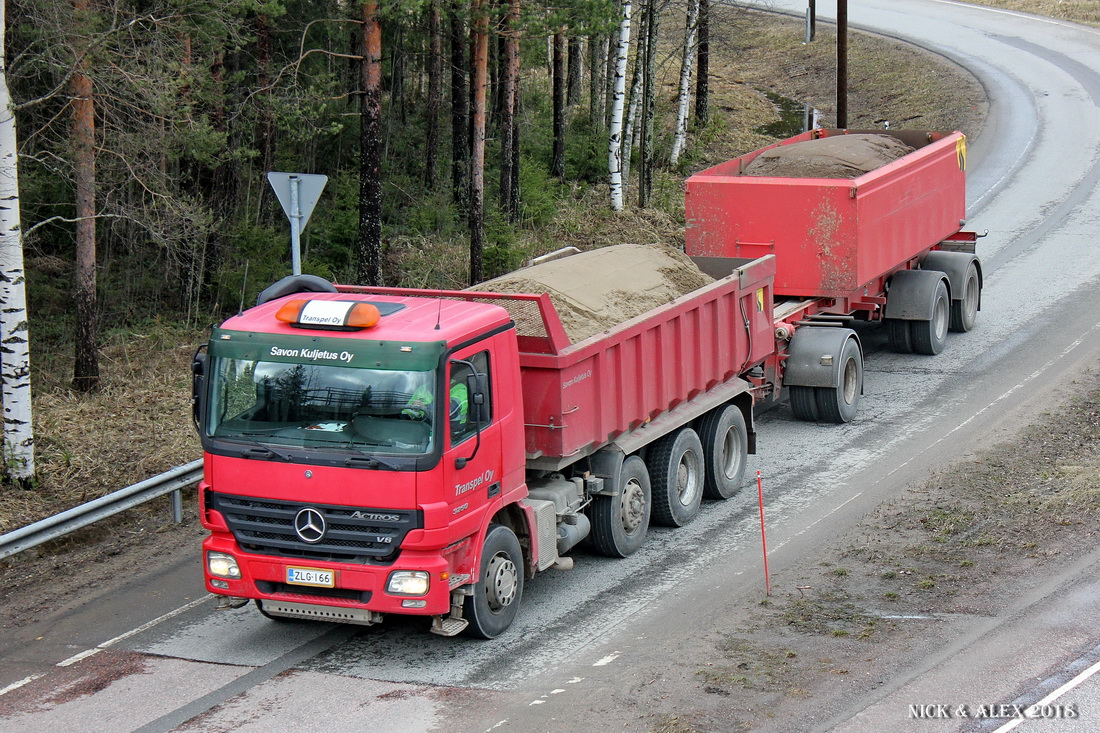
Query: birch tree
(15, 358)
(615, 137)
(685, 82)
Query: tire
(964, 312)
(839, 404)
(803, 403)
(725, 441)
(929, 337)
(899, 333)
(619, 523)
(676, 470)
(495, 601)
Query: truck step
(448, 626)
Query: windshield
(322, 406)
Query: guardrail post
(177, 506)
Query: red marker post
(763, 536)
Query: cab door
(472, 439)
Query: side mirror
(198, 385)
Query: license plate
(311, 576)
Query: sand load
(597, 290)
(840, 156)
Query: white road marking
(20, 683)
(77, 657)
(89, 652)
(606, 660)
(1053, 696)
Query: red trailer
(883, 246)
(371, 451)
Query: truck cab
(356, 448)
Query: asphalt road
(586, 639)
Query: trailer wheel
(838, 404)
(803, 403)
(929, 337)
(495, 601)
(676, 470)
(964, 312)
(725, 450)
(900, 335)
(619, 523)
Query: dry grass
(138, 425)
(1079, 11)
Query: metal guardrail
(173, 480)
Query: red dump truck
(373, 451)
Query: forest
(459, 139)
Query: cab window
(460, 410)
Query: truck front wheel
(495, 601)
(676, 471)
(619, 523)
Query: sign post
(298, 194)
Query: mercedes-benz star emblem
(309, 524)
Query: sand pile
(841, 156)
(597, 290)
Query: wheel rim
(688, 485)
(632, 507)
(970, 298)
(850, 381)
(939, 319)
(501, 582)
(731, 454)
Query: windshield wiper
(368, 462)
(256, 450)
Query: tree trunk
(368, 259)
(435, 93)
(702, 67)
(265, 131)
(477, 159)
(557, 161)
(649, 95)
(510, 79)
(514, 198)
(576, 70)
(614, 153)
(685, 82)
(86, 365)
(630, 126)
(460, 113)
(15, 357)
(596, 86)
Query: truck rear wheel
(964, 312)
(839, 404)
(676, 471)
(619, 523)
(495, 601)
(901, 339)
(725, 449)
(803, 403)
(929, 337)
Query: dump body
(580, 396)
(831, 237)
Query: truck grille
(351, 534)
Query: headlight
(407, 583)
(222, 566)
